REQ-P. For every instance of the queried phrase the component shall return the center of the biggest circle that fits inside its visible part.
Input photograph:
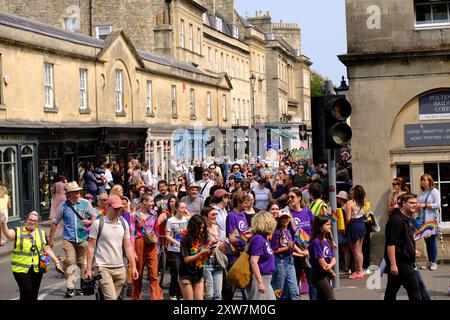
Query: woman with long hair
(213, 272)
(429, 204)
(398, 188)
(322, 257)
(144, 223)
(182, 187)
(175, 226)
(303, 218)
(356, 228)
(195, 251)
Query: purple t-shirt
(303, 220)
(236, 221)
(281, 240)
(317, 250)
(259, 246)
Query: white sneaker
(433, 267)
(426, 267)
(173, 297)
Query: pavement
(368, 288)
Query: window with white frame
(150, 97)
(182, 34)
(208, 105)
(209, 58)
(103, 32)
(216, 59)
(192, 102)
(235, 32)
(191, 37)
(174, 99)
(199, 41)
(224, 107)
(1, 82)
(119, 90)
(432, 13)
(83, 89)
(219, 24)
(49, 85)
(440, 172)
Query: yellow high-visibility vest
(23, 257)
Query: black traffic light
(330, 130)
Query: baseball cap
(115, 202)
(283, 213)
(220, 193)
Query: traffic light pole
(333, 204)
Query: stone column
(163, 162)
(155, 150)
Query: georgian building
(68, 99)
(211, 35)
(398, 71)
(148, 68)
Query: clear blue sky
(323, 29)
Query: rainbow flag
(425, 230)
(302, 237)
(241, 235)
(278, 293)
(231, 249)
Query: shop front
(18, 173)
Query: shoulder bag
(240, 274)
(420, 220)
(149, 238)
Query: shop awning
(287, 135)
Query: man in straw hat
(76, 214)
(194, 201)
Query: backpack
(100, 229)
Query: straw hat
(73, 187)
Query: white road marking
(47, 290)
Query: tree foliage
(317, 84)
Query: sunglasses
(291, 197)
(395, 184)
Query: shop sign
(13, 137)
(435, 106)
(424, 135)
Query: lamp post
(252, 83)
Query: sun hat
(343, 195)
(73, 187)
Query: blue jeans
(423, 290)
(214, 276)
(432, 251)
(284, 277)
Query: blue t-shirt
(317, 250)
(259, 246)
(280, 240)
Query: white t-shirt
(108, 178)
(261, 198)
(175, 226)
(109, 251)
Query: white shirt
(108, 178)
(208, 184)
(221, 222)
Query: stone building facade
(68, 99)
(209, 34)
(398, 71)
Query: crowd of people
(203, 219)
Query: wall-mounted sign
(425, 135)
(435, 106)
(13, 137)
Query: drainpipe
(90, 18)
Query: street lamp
(252, 83)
